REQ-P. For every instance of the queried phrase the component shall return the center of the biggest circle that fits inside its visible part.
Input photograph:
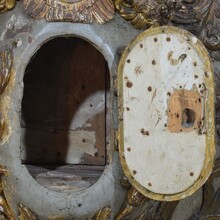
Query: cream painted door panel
(166, 113)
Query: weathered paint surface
(164, 125)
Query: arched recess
(65, 117)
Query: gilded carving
(25, 214)
(211, 199)
(134, 199)
(83, 11)
(6, 5)
(199, 16)
(103, 214)
(5, 211)
(147, 13)
(6, 62)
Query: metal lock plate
(166, 113)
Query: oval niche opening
(65, 115)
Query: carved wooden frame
(200, 17)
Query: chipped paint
(14, 26)
(146, 128)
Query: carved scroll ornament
(83, 11)
(6, 5)
(6, 61)
(146, 13)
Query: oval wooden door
(166, 113)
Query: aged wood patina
(114, 196)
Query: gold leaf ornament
(6, 62)
(26, 214)
(147, 13)
(6, 5)
(79, 11)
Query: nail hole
(168, 39)
(155, 39)
(128, 61)
(141, 45)
(129, 84)
(128, 109)
(142, 131)
(129, 149)
(195, 63)
(83, 140)
(196, 76)
(134, 172)
(153, 62)
(191, 174)
(147, 133)
(149, 88)
(149, 184)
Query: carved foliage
(5, 209)
(6, 62)
(26, 214)
(211, 200)
(103, 214)
(6, 5)
(84, 11)
(146, 13)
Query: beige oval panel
(166, 113)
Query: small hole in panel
(188, 118)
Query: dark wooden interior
(64, 114)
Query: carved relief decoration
(84, 11)
(201, 17)
(146, 13)
(6, 212)
(6, 5)
(6, 62)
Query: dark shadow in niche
(64, 111)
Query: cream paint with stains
(79, 143)
(160, 160)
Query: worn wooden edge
(210, 113)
